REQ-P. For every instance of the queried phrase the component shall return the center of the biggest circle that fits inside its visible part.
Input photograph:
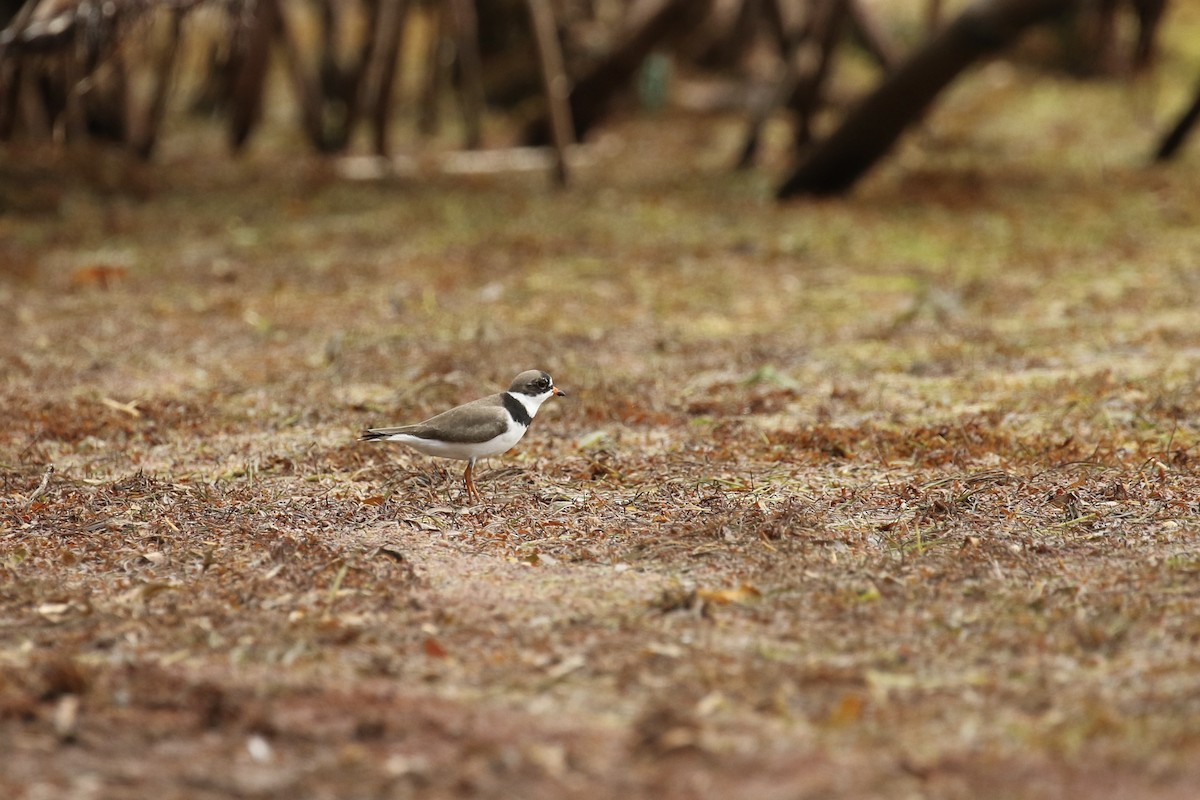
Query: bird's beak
(559, 392)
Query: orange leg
(472, 492)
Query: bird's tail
(373, 435)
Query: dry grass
(890, 496)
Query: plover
(485, 427)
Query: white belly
(463, 451)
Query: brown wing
(476, 421)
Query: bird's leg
(472, 492)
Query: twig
(337, 585)
(41, 486)
(1075, 520)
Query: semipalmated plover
(485, 427)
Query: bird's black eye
(543, 382)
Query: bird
(485, 427)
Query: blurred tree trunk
(555, 83)
(870, 130)
(145, 132)
(249, 58)
(807, 59)
(1179, 131)
(1149, 14)
(593, 94)
(329, 94)
(807, 96)
(470, 68)
(438, 58)
(381, 72)
(871, 36)
(13, 18)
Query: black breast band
(517, 409)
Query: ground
(886, 496)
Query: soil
(886, 496)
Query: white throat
(532, 402)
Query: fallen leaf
(260, 749)
(593, 439)
(101, 275)
(392, 552)
(664, 650)
(742, 595)
(849, 709)
(566, 667)
(66, 717)
(54, 610)
(125, 408)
